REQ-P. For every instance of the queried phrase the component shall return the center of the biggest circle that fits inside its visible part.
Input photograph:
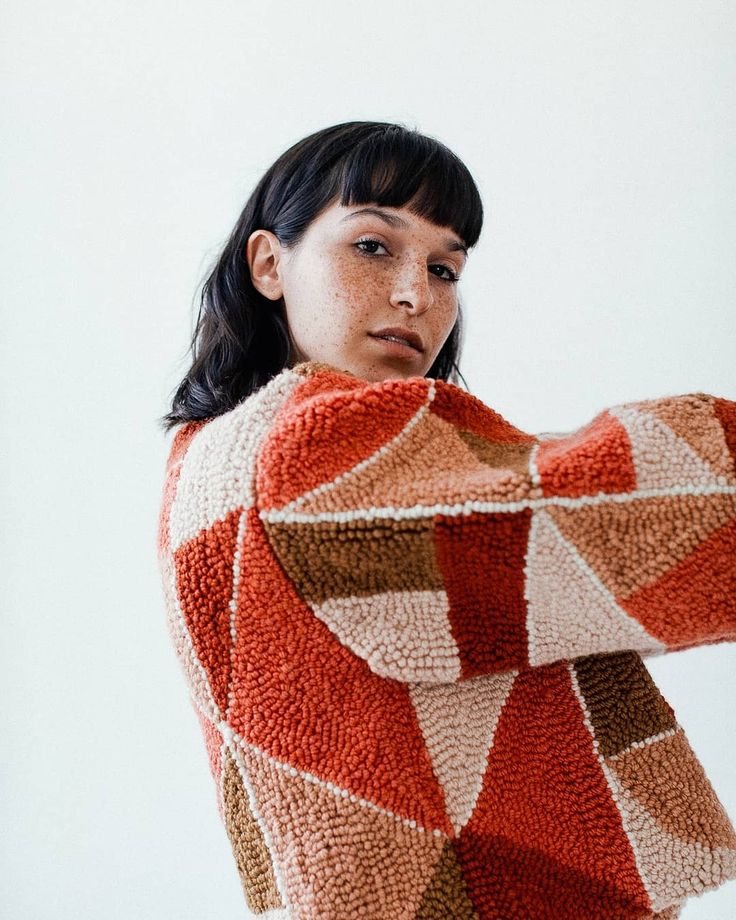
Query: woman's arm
(439, 542)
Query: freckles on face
(333, 303)
(336, 295)
(347, 295)
(357, 289)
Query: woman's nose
(411, 286)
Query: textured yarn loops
(413, 635)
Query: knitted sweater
(413, 636)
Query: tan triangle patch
(570, 613)
(458, 722)
(437, 467)
(662, 459)
(610, 537)
(501, 455)
(670, 868)
(670, 803)
(693, 420)
(340, 855)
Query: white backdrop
(601, 136)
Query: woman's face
(358, 270)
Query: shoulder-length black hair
(241, 339)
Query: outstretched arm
(439, 542)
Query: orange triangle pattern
(416, 648)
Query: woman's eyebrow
(395, 221)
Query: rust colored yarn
(413, 636)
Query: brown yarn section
(446, 895)
(249, 848)
(623, 701)
(329, 560)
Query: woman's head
(307, 274)
(358, 270)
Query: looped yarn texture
(413, 635)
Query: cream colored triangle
(570, 612)
(459, 722)
(664, 861)
(663, 459)
(404, 635)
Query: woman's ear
(263, 253)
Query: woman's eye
(453, 278)
(369, 242)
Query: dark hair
(240, 340)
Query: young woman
(300, 275)
(412, 632)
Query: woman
(413, 632)
(311, 268)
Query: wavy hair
(241, 339)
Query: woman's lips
(399, 348)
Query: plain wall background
(601, 136)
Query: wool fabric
(413, 636)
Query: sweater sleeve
(439, 542)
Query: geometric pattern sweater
(413, 636)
